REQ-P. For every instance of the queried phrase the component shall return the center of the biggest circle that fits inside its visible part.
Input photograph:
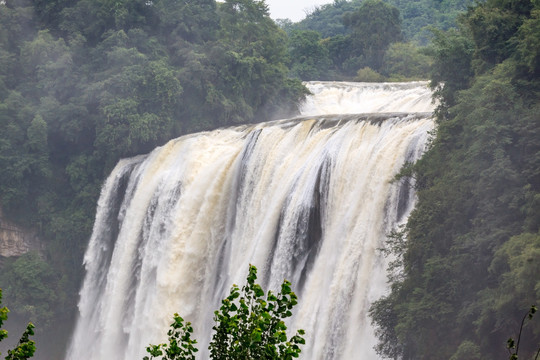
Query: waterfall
(356, 98)
(308, 199)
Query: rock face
(15, 240)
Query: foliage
(367, 74)
(375, 25)
(420, 16)
(369, 27)
(467, 350)
(180, 345)
(361, 34)
(492, 26)
(405, 61)
(248, 325)
(513, 345)
(25, 348)
(327, 19)
(470, 262)
(32, 288)
(309, 57)
(452, 53)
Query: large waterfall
(308, 199)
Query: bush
(248, 326)
(25, 348)
(367, 74)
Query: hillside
(468, 259)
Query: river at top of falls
(330, 97)
(308, 199)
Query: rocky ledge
(16, 240)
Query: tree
(375, 25)
(309, 58)
(513, 345)
(452, 53)
(492, 24)
(339, 49)
(33, 288)
(421, 15)
(194, 21)
(180, 345)
(407, 61)
(327, 19)
(528, 46)
(367, 74)
(25, 348)
(251, 56)
(248, 326)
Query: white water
(307, 199)
(357, 98)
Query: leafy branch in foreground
(25, 348)
(251, 327)
(180, 346)
(512, 345)
(248, 326)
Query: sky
(292, 9)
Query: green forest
(469, 269)
(84, 83)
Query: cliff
(16, 240)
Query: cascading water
(357, 98)
(308, 199)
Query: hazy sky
(292, 9)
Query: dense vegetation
(385, 40)
(418, 16)
(469, 268)
(367, 37)
(370, 40)
(326, 19)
